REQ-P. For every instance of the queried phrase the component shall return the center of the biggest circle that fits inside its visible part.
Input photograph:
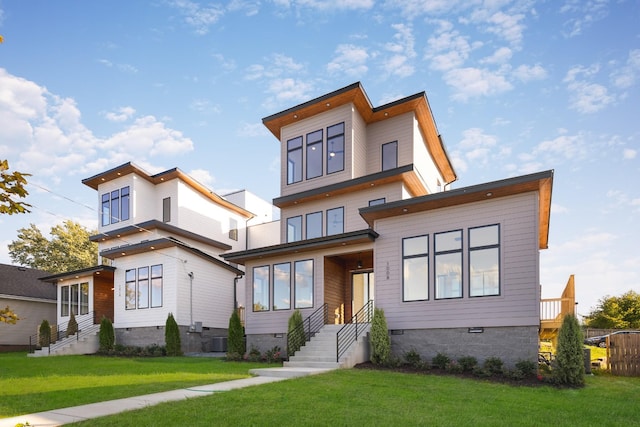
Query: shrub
(440, 361)
(45, 334)
(296, 339)
(494, 365)
(481, 372)
(380, 341)
(235, 338)
(412, 357)
(527, 367)
(107, 336)
(569, 362)
(254, 355)
(454, 367)
(72, 326)
(468, 363)
(273, 355)
(172, 337)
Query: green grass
(339, 398)
(30, 385)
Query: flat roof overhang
(541, 182)
(302, 246)
(98, 270)
(406, 174)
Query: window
(335, 148)
(130, 289)
(415, 268)
(115, 206)
(282, 286)
(156, 285)
(261, 288)
(84, 298)
(314, 225)
(335, 221)
(166, 209)
(64, 301)
(448, 264)
(294, 160)
(303, 283)
(294, 229)
(375, 202)
(74, 298)
(233, 229)
(484, 261)
(143, 287)
(314, 154)
(390, 155)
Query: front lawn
(34, 384)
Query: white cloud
(626, 76)
(252, 130)
(586, 96)
(448, 50)
(475, 82)
(197, 16)
(120, 114)
(629, 153)
(402, 51)
(568, 146)
(500, 56)
(349, 60)
(526, 73)
(583, 14)
(334, 4)
(147, 135)
(203, 177)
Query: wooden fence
(624, 354)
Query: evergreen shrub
(172, 337)
(380, 341)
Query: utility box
(219, 344)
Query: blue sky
(515, 87)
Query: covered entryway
(348, 284)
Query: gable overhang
(163, 243)
(541, 182)
(150, 227)
(302, 246)
(405, 174)
(166, 176)
(105, 271)
(355, 94)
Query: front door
(361, 290)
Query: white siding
(518, 303)
(395, 129)
(68, 282)
(265, 234)
(423, 161)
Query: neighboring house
(161, 236)
(368, 214)
(32, 300)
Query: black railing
(350, 332)
(57, 338)
(305, 331)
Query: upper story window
(376, 202)
(314, 225)
(390, 155)
(166, 209)
(448, 264)
(115, 206)
(294, 160)
(335, 221)
(314, 154)
(233, 229)
(335, 148)
(294, 229)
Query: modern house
(30, 299)
(160, 237)
(368, 217)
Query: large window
(261, 288)
(448, 264)
(282, 286)
(314, 225)
(64, 301)
(143, 287)
(303, 283)
(294, 160)
(84, 298)
(74, 299)
(335, 221)
(314, 154)
(484, 261)
(335, 148)
(115, 206)
(294, 229)
(390, 155)
(415, 268)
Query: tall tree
(621, 312)
(69, 248)
(12, 185)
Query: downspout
(191, 300)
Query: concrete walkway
(58, 417)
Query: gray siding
(518, 303)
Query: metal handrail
(350, 332)
(309, 327)
(57, 340)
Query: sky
(515, 87)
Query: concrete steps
(320, 351)
(87, 343)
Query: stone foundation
(264, 342)
(510, 344)
(191, 342)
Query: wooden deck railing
(553, 310)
